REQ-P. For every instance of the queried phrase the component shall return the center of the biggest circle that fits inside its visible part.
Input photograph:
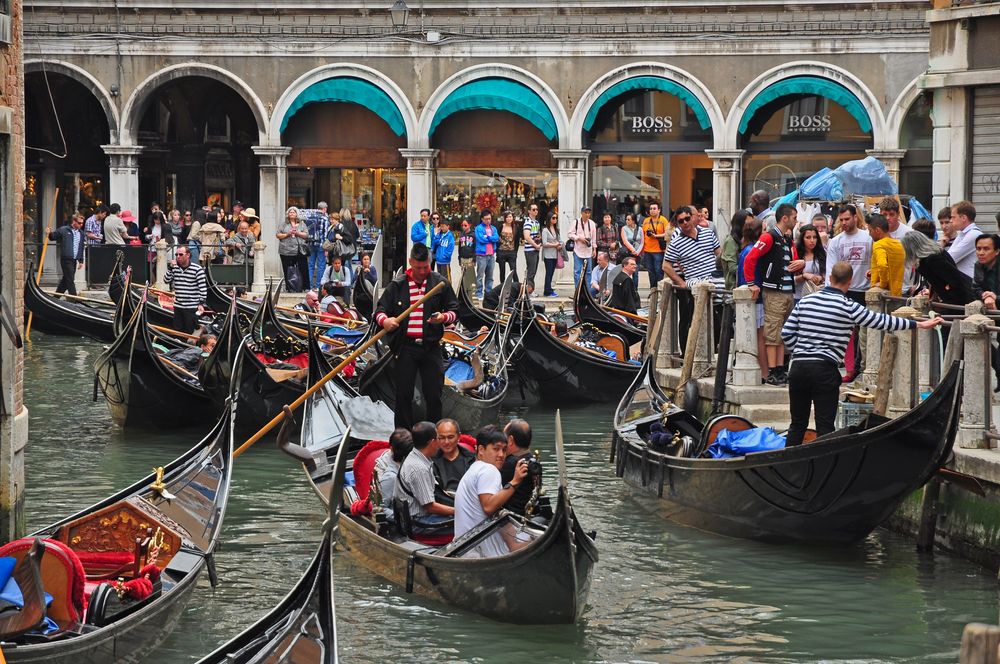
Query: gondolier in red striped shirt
(417, 345)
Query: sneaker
(782, 373)
(776, 379)
(552, 294)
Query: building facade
(461, 106)
(964, 79)
(13, 414)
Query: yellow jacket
(887, 265)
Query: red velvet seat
(468, 442)
(364, 464)
(62, 577)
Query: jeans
(68, 280)
(317, 265)
(484, 273)
(444, 269)
(550, 270)
(653, 262)
(812, 383)
(195, 248)
(531, 261)
(578, 264)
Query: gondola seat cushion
(468, 442)
(717, 424)
(364, 464)
(62, 577)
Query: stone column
(419, 186)
(259, 279)
(925, 344)
(901, 391)
(572, 196)
(892, 160)
(976, 382)
(162, 258)
(727, 166)
(746, 370)
(123, 186)
(872, 350)
(273, 199)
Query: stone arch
(897, 113)
(335, 70)
(88, 81)
(806, 68)
(490, 70)
(135, 106)
(633, 70)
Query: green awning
(648, 83)
(353, 91)
(498, 94)
(809, 85)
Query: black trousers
(812, 383)
(685, 314)
(185, 320)
(505, 258)
(68, 281)
(426, 360)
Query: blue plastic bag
(459, 371)
(740, 443)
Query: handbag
(560, 259)
(293, 280)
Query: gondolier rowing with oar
(817, 332)
(417, 345)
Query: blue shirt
(484, 241)
(422, 233)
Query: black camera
(649, 232)
(534, 467)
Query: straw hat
(249, 213)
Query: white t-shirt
(481, 478)
(855, 249)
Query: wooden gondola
(471, 409)
(54, 315)
(302, 628)
(363, 298)
(471, 315)
(142, 388)
(833, 490)
(567, 373)
(590, 311)
(183, 509)
(546, 582)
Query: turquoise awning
(498, 94)
(352, 91)
(809, 85)
(648, 83)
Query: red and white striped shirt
(415, 323)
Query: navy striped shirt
(820, 325)
(696, 255)
(189, 285)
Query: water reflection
(661, 593)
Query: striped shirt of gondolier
(415, 323)
(189, 285)
(820, 325)
(695, 255)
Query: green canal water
(661, 593)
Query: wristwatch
(508, 485)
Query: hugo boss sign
(808, 123)
(650, 124)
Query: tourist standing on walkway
(986, 284)
(938, 270)
(889, 208)
(486, 248)
(93, 227)
(695, 249)
(584, 236)
(852, 245)
(531, 234)
(551, 247)
(467, 256)
(509, 240)
(752, 229)
(760, 206)
(187, 278)
(422, 231)
(293, 249)
(70, 240)
(817, 332)
(115, 230)
(654, 243)
(731, 248)
(888, 257)
(444, 249)
(947, 230)
(811, 251)
(822, 225)
(778, 266)
(631, 240)
(318, 222)
(607, 238)
(963, 249)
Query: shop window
(217, 128)
(647, 116)
(626, 184)
(463, 194)
(6, 32)
(82, 192)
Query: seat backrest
(615, 344)
(62, 577)
(364, 463)
(27, 575)
(401, 513)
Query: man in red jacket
(775, 260)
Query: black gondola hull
(589, 311)
(52, 315)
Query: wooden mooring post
(979, 644)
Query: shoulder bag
(571, 243)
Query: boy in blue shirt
(444, 248)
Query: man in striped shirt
(695, 250)
(417, 344)
(817, 333)
(190, 289)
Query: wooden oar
(324, 339)
(641, 319)
(176, 333)
(80, 298)
(333, 372)
(176, 367)
(41, 262)
(325, 317)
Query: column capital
(725, 154)
(419, 158)
(571, 159)
(271, 156)
(884, 155)
(123, 156)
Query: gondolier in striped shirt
(188, 282)
(817, 332)
(417, 344)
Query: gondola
(471, 315)
(54, 315)
(142, 388)
(546, 582)
(567, 373)
(589, 311)
(183, 509)
(302, 628)
(363, 298)
(833, 490)
(120, 284)
(471, 408)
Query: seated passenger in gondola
(624, 294)
(340, 277)
(192, 358)
(387, 466)
(599, 271)
(451, 462)
(310, 304)
(481, 493)
(416, 483)
(518, 434)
